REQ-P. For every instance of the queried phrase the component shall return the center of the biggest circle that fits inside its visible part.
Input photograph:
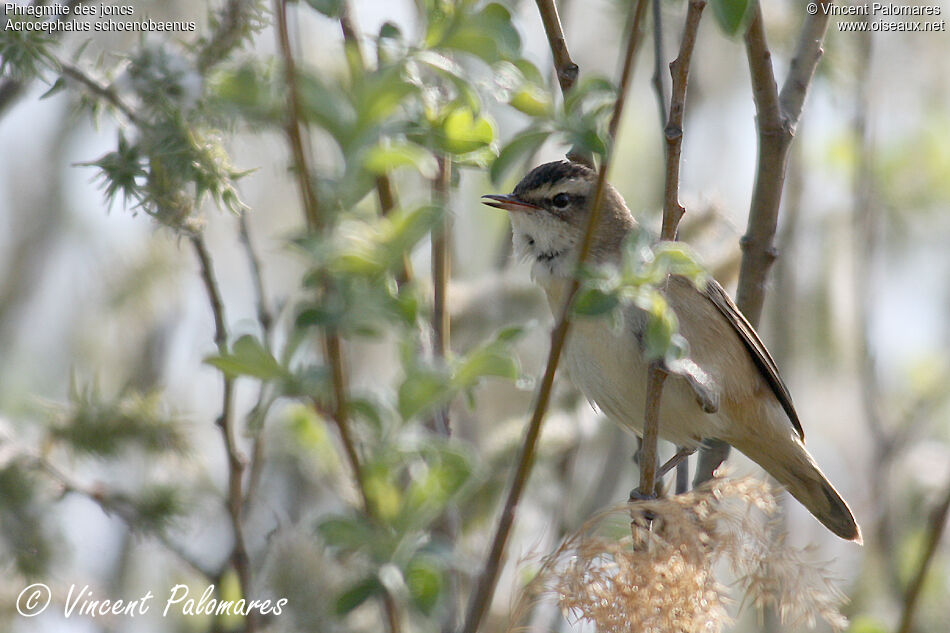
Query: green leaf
(421, 390)
(662, 325)
(329, 8)
(732, 15)
(346, 533)
(490, 360)
(594, 302)
(383, 159)
(518, 148)
(424, 580)
(248, 358)
(57, 86)
(357, 594)
(463, 132)
(487, 34)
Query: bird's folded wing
(763, 360)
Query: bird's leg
(702, 384)
(680, 455)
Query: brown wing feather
(763, 360)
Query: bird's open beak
(509, 203)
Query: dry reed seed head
(660, 577)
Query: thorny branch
(236, 461)
(485, 587)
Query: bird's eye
(561, 200)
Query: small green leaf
(329, 8)
(732, 15)
(594, 302)
(424, 580)
(248, 358)
(382, 159)
(463, 132)
(421, 390)
(357, 595)
(57, 86)
(490, 360)
(345, 533)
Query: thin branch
(672, 213)
(807, 55)
(440, 281)
(659, 87)
(485, 588)
(564, 67)
(935, 529)
(673, 132)
(777, 115)
(567, 71)
(236, 461)
(265, 319)
(103, 92)
(294, 123)
(116, 504)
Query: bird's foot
(680, 455)
(636, 495)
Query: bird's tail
(797, 471)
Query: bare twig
(935, 529)
(777, 115)
(564, 67)
(440, 281)
(672, 212)
(673, 132)
(485, 587)
(293, 125)
(776, 118)
(659, 87)
(567, 71)
(265, 319)
(236, 461)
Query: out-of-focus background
(105, 321)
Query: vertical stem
(659, 87)
(332, 347)
(485, 587)
(938, 521)
(672, 213)
(225, 422)
(440, 279)
(776, 118)
(293, 125)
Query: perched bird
(750, 407)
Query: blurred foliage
(451, 90)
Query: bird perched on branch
(735, 393)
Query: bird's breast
(606, 363)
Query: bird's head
(549, 210)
